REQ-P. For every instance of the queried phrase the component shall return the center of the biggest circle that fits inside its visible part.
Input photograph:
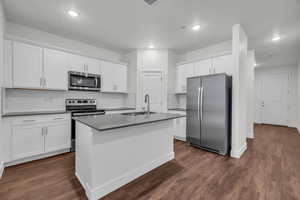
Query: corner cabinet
(114, 77)
(38, 135)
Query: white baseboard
(250, 135)
(239, 153)
(1, 169)
(104, 189)
(37, 157)
(180, 138)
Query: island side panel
(83, 156)
(122, 155)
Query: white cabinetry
(27, 66)
(83, 64)
(7, 64)
(183, 72)
(216, 65)
(35, 67)
(203, 67)
(223, 64)
(36, 135)
(56, 136)
(55, 70)
(27, 140)
(114, 77)
(179, 126)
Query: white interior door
(274, 104)
(258, 101)
(152, 85)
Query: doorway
(152, 85)
(271, 99)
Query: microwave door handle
(96, 82)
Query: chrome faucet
(147, 100)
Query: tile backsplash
(17, 100)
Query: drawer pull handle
(29, 120)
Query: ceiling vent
(150, 2)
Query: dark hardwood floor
(270, 169)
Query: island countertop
(114, 121)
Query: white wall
(251, 94)
(262, 72)
(2, 26)
(239, 93)
(298, 97)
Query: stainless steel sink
(137, 113)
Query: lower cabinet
(27, 140)
(34, 136)
(56, 137)
(179, 126)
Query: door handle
(199, 92)
(202, 89)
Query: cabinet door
(57, 136)
(8, 67)
(180, 78)
(223, 64)
(55, 69)
(27, 65)
(183, 72)
(203, 67)
(120, 78)
(27, 140)
(76, 63)
(92, 66)
(107, 76)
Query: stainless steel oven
(84, 81)
(79, 108)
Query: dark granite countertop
(114, 121)
(117, 109)
(16, 114)
(177, 109)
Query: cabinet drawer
(39, 119)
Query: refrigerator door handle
(199, 92)
(201, 103)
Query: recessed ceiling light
(151, 46)
(196, 27)
(73, 13)
(276, 38)
(255, 64)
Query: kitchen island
(112, 150)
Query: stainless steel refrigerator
(209, 112)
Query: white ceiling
(124, 25)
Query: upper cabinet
(216, 65)
(27, 66)
(114, 77)
(33, 67)
(83, 64)
(183, 72)
(223, 64)
(55, 70)
(203, 67)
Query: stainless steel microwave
(84, 81)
